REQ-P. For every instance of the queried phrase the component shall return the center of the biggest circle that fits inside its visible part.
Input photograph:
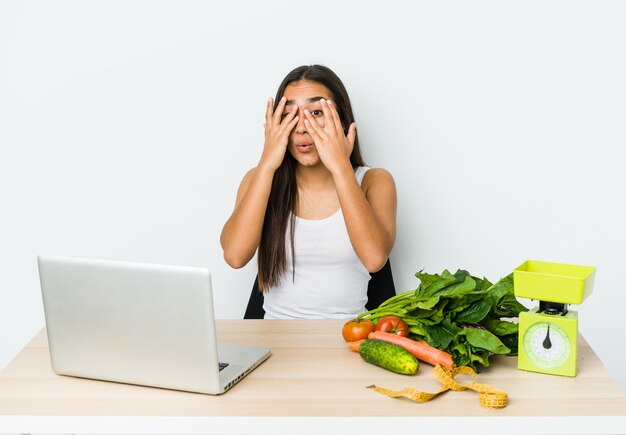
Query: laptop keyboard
(222, 365)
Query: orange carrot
(419, 349)
(354, 345)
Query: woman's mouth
(305, 147)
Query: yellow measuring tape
(489, 397)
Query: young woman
(320, 219)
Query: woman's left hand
(333, 146)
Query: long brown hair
(272, 258)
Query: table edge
(311, 425)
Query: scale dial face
(547, 345)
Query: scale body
(548, 343)
(548, 334)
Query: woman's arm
(242, 232)
(369, 210)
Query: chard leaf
(479, 356)
(508, 306)
(465, 300)
(500, 289)
(422, 314)
(485, 340)
(460, 354)
(417, 330)
(433, 286)
(427, 279)
(428, 303)
(511, 341)
(433, 316)
(501, 327)
(468, 285)
(461, 274)
(442, 334)
(475, 312)
(482, 284)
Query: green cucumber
(388, 356)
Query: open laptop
(137, 323)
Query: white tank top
(330, 282)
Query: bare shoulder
(378, 179)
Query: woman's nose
(300, 127)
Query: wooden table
(311, 384)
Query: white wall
(125, 128)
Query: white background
(125, 128)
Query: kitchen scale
(548, 334)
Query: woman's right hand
(277, 131)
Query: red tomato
(393, 325)
(357, 329)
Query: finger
(312, 123)
(269, 110)
(314, 126)
(351, 134)
(317, 139)
(279, 110)
(328, 117)
(288, 125)
(335, 115)
(293, 110)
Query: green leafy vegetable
(483, 339)
(460, 314)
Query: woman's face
(305, 95)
